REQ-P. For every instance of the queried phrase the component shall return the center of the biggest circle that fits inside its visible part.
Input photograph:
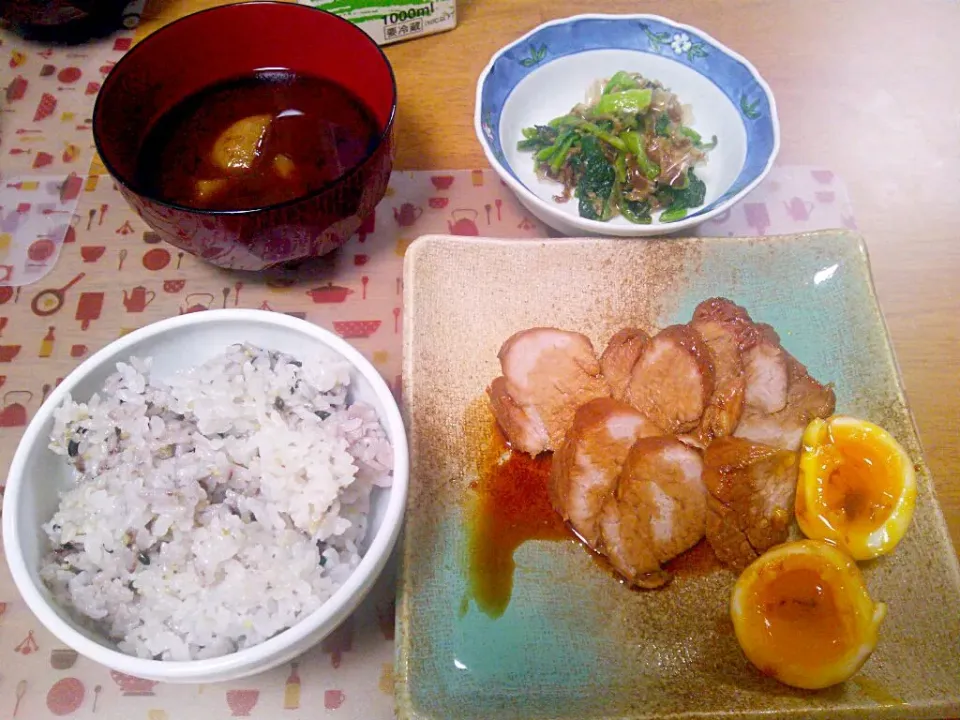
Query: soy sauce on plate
(254, 141)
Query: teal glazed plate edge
(573, 643)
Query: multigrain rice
(216, 508)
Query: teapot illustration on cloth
(137, 299)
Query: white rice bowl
(230, 524)
(214, 510)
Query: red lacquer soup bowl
(221, 44)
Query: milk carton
(389, 21)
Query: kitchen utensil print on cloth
(92, 253)
(329, 293)
(241, 702)
(333, 699)
(63, 658)
(14, 414)
(356, 329)
(798, 209)
(47, 302)
(132, 686)
(758, 218)
(28, 645)
(137, 299)
(367, 227)
(407, 214)
(291, 689)
(41, 250)
(196, 302)
(66, 696)
(156, 259)
(21, 691)
(46, 345)
(89, 307)
(464, 222)
(8, 353)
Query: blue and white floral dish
(551, 69)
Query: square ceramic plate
(574, 643)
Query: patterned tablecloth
(113, 276)
(81, 269)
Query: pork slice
(765, 371)
(765, 368)
(673, 379)
(619, 358)
(806, 399)
(722, 413)
(657, 511)
(585, 468)
(751, 489)
(547, 374)
(525, 432)
(721, 309)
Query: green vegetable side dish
(626, 153)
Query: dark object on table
(212, 46)
(63, 21)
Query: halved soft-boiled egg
(803, 615)
(857, 486)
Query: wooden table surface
(863, 87)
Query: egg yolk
(803, 616)
(860, 487)
(797, 615)
(857, 486)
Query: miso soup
(256, 140)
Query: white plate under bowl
(37, 476)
